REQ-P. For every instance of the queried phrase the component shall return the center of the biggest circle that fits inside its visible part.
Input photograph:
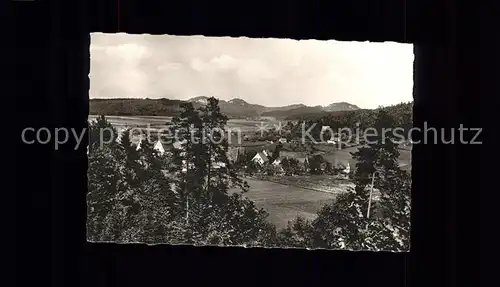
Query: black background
(51, 90)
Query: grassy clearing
(284, 203)
(322, 183)
(245, 126)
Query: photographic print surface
(273, 143)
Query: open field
(133, 121)
(284, 203)
(240, 127)
(246, 126)
(322, 183)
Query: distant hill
(286, 108)
(401, 113)
(296, 112)
(398, 116)
(342, 106)
(134, 107)
(308, 112)
(234, 108)
(240, 108)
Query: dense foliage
(346, 223)
(131, 107)
(138, 195)
(402, 114)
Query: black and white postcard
(249, 142)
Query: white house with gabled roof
(159, 147)
(260, 158)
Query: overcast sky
(271, 72)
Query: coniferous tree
(107, 184)
(395, 206)
(150, 209)
(187, 160)
(101, 127)
(393, 184)
(315, 164)
(212, 216)
(252, 167)
(214, 123)
(290, 166)
(159, 201)
(190, 163)
(132, 167)
(346, 223)
(276, 152)
(355, 226)
(126, 143)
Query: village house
(341, 165)
(159, 147)
(277, 161)
(301, 157)
(267, 153)
(260, 158)
(337, 162)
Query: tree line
(132, 107)
(401, 116)
(138, 195)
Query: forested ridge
(134, 107)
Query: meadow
(246, 126)
(135, 121)
(320, 183)
(239, 127)
(284, 203)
